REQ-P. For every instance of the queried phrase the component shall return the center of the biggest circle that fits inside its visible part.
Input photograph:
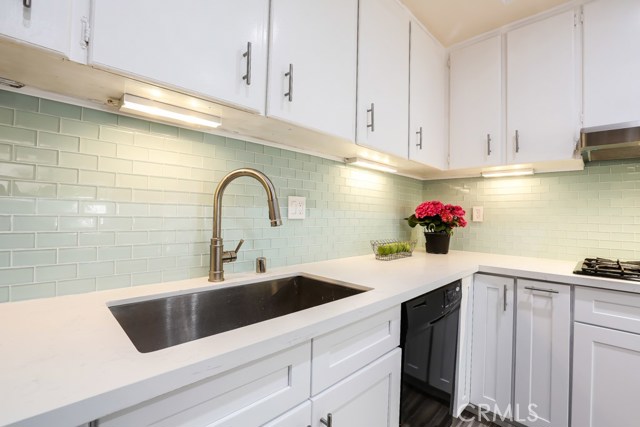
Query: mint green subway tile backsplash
(569, 215)
(91, 200)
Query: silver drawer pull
(551, 291)
(247, 54)
(329, 421)
(289, 95)
(372, 110)
(504, 294)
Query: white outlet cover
(297, 207)
(477, 214)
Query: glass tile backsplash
(568, 216)
(91, 200)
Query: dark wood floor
(416, 412)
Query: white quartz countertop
(65, 360)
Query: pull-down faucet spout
(218, 256)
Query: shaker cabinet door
(492, 351)
(543, 336)
(368, 398)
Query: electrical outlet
(297, 207)
(477, 214)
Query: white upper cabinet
(428, 92)
(45, 24)
(216, 49)
(611, 62)
(476, 105)
(542, 106)
(383, 77)
(312, 64)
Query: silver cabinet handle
(419, 144)
(551, 291)
(372, 110)
(329, 421)
(247, 54)
(504, 293)
(488, 144)
(289, 74)
(26, 3)
(517, 141)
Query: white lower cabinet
(247, 396)
(356, 378)
(343, 351)
(606, 358)
(542, 349)
(462, 388)
(368, 398)
(300, 416)
(492, 348)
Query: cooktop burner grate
(602, 267)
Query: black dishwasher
(430, 341)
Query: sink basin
(164, 322)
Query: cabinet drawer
(612, 309)
(340, 353)
(246, 396)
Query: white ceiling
(452, 21)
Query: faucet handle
(231, 256)
(238, 247)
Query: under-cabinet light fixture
(363, 163)
(503, 173)
(146, 107)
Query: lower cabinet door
(250, 395)
(300, 416)
(492, 346)
(543, 333)
(368, 398)
(606, 377)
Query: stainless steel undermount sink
(164, 322)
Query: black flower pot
(437, 243)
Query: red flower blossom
(438, 217)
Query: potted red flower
(438, 221)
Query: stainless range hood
(611, 142)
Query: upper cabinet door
(542, 106)
(312, 64)
(476, 105)
(428, 100)
(611, 62)
(45, 24)
(212, 48)
(383, 77)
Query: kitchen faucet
(218, 256)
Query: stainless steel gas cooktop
(601, 267)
